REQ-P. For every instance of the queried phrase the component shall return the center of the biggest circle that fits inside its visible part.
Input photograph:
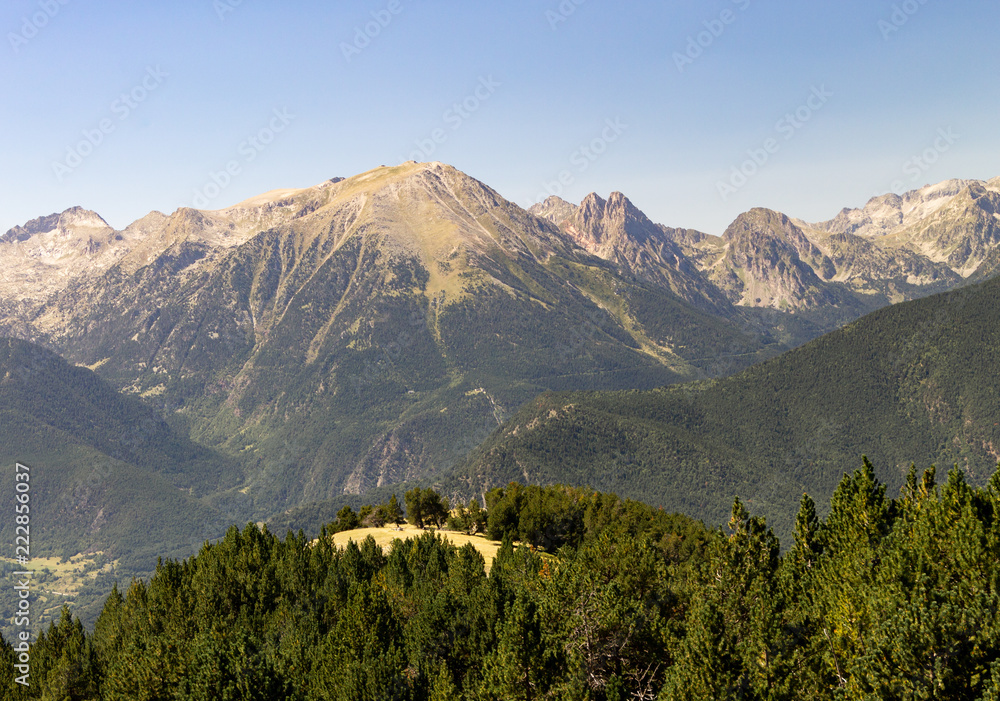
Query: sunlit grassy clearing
(384, 537)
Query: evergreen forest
(589, 597)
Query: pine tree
(859, 521)
(609, 607)
(415, 506)
(443, 688)
(734, 639)
(360, 659)
(515, 670)
(933, 622)
(477, 517)
(394, 513)
(64, 665)
(12, 690)
(347, 520)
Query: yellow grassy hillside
(385, 536)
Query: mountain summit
(371, 329)
(375, 329)
(898, 247)
(617, 231)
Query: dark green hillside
(914, 382)
(108, 479)
(40, 386)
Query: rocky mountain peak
(897, 246)
(436, 212)
(72, 221)
(46, 253)
(554, 209)
(760, 225)
(770, 262)
(387, 286)
(603, 227)
(593, 207)
(984, 197)
(613, 222)
(886, 214)
(80, 217)
(616, 230)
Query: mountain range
(368, 331)
(895, 248)
(357, 333)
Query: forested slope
(108, 477)
(884, 599)
(916, 382)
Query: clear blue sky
(551, 77)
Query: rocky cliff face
(889, 213)
(45, 254)
(896, 248)
(961, 234)
(769, 262)
(951, 226)
(615, 230)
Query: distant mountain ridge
(615, 230)
(364, 331)
(910, 383)
(375, 329)
(897, 247)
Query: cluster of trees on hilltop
(424, 508)
(882, 599)
(369, 516)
